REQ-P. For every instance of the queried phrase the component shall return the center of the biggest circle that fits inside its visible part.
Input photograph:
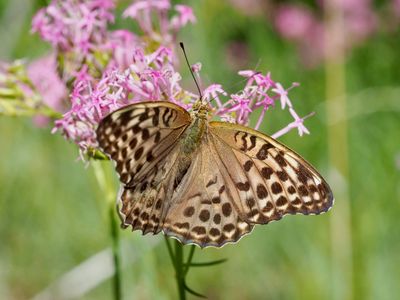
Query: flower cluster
(261, 92)
(78, 25)
(78, 32)
(150, 77)
(300, 24)
(107, 69)
(153, 78)
(43, 74)
(152, 18)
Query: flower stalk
(182, 267)
(114, 230)
(104, 180)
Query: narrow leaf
(206, 264)
(194, 293)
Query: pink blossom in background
(78, 30)
(395, 6)
(43, 74)
(185, 15)
(141, 12)
(312, 48)
(250, 7)
(165, 29)
(294, 22)
(305, 26)
(360, 19)
(74, 25)
(299, 24)
(31, 90)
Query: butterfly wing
(142, 139)
(202, 211)
(236, 178)
(239, 178)
(272, 180)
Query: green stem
(338, 143)
(189, 260)
(182, 268)
(179, 266)
(170, 252)
(180, 273)
(114, 228)
(105, 183)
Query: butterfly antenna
(191, 71)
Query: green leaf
(194, 293)
(206, 264)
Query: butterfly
(204, 182)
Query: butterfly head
(200, 109)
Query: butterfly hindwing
(202, 211)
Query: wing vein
(231, 179)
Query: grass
(53, 217)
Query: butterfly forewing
(139, 135)
(142, 139)
(271, 179)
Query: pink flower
(111, 69)
(144, 13)
(141, 11)
(306, 28)
(43, 74)
(297, 123)
(69, 24)
(149, 78)
(396, 8)
(260, 93)
(136, 8)
(76, 29)
(185, 15)
(294, 22)
(212, 93)
(122, 43)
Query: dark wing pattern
(239, 178)
(272, 180)
(142, 139)
(235, 178)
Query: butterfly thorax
(193, 135)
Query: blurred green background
(53, 218)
